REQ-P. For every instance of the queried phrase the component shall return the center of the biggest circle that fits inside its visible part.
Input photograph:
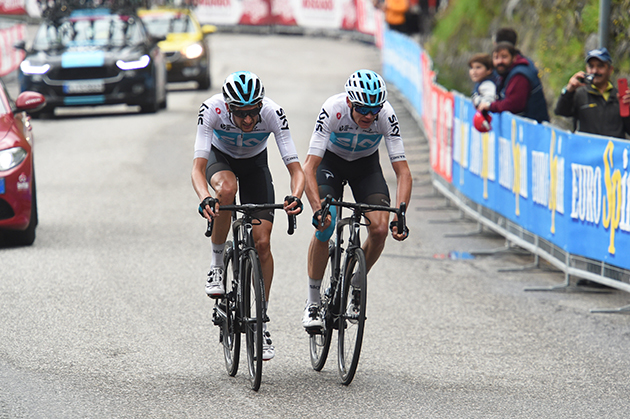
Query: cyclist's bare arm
(200, 185)
(297, 187)
(403, 191)
(312, 189)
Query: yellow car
(185, 47)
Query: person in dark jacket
(592, 100)
(519, 89)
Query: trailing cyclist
(230, 155)
(344, 146)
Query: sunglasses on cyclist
(365, 110)
(243, 114)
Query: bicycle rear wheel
(352, 318)
(231, 335)
(319, 343)
(252, 294)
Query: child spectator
(481, 71)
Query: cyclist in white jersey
(230, 155)
(344, 146)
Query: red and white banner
(356, 15)
(20, 7)
(438, 121)
(12, 7)
(10, 58)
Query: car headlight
(134, 65)
(193, 51)
(11, 157)
(28, 68)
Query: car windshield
(85, 30)
(161, 24)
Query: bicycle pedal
(315, 331)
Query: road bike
(242, 309)
(344, 288)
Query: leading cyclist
(344, 146)
(230, 155)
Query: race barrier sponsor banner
(353, 15)
(572, 190)
(401, 66)
(20, 7)
(10, 58)
(12, 7)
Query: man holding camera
(592, 100)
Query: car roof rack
(58, 9)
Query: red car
(18, 202)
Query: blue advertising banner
(402, 67)
(570, 189)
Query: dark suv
(95, 56)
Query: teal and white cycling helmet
(243, 88)
(366, 88)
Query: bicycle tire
(252, 295)
(231, 335)
(319, 343)
(351, 325)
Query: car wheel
(46, 112)
(151, 106)
(164, 104)
(26, 237)
(205, 82)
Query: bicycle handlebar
(401, 223)
(249, 209)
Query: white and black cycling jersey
(336, 131)
(216, 128)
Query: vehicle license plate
(88, 86)
(2, 188)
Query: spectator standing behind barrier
(481, 72)
(519, 88)
(395, 11)
(592, 100)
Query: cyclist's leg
(223, 181)
(329, 181)
(262, 240)
(256, 187)
(369, 187)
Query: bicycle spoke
(319, 343)
(231, 337)
(352, 320)
(252, 317)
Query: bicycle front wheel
(252, 295)
(230, 334)
(352, 318)
(319, 343)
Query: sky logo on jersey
(351, 142)
(236, 139)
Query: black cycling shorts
(365, 177)
(255, 185)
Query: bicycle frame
(236, 317)
(343, 302)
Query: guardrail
(525, 181)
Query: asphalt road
(105, 315)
